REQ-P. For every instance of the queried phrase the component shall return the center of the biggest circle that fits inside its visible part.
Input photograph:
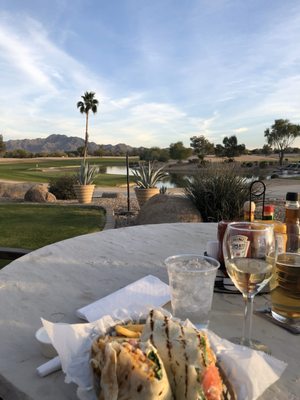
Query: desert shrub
(163, 189)
(274, 176)
(194, 161)
(102, 169)
(249, 164)
(62, 187)
(218, 192)
(263, 164)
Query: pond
(172, 181)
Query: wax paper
(250, 372)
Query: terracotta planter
(84, 193)
(143, 195)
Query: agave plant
(147, 176)
(87, 173)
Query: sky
(162, 70)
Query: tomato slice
(212, 383)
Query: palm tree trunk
(86, 137)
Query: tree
(266, 149)
(201, 146)
(219, 150)
(281, 135)
(80, 151)
(88, 104)
(179, 152)
(2, 145)
(232, 148)
(155, 154)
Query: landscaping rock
(14, 190)
(164, 208)
(39, 194)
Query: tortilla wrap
(126, 370)
(187, 357)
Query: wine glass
(249, 255)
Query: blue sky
(162, 70)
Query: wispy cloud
(240, 130)
(159, 79)
(40, 82)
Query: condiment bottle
(268, 212)
(292, 210)
(280, 233)
(249, 209)
(222, 225)
(281, 236)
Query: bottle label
(281, 245)
(259, 246)
(239, 246)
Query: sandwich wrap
(187, 356)
(128, 369)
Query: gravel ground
(118, 207)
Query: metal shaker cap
(292, 196)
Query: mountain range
(61, 143)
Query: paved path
(275, 188)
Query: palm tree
(88, 104)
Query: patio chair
(10, 253)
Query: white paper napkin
(136, 297)
(250, 371)
(254, 369)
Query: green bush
(62, 187)
(263, 164)
(218, 192)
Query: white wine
(250, 275)
(249, 254)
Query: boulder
(14, 190)
(39, 194)
(165, 208)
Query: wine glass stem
(247, 328)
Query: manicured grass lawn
(41, 170)
(32, 226)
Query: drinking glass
(249, 255)
(285, 294)
(191, 279)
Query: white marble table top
(54, 281)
